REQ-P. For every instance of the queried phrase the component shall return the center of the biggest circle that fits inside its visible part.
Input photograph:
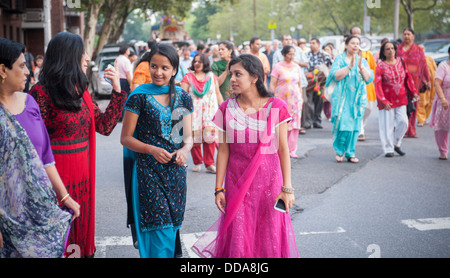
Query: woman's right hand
(220, 201)
(113, 74)
(161, 155)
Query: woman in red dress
(72, 118)
(416, 64)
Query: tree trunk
(117, 29)
(110, 17)
(90, 28)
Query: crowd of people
(245, 107)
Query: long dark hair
(171, 54)
(61, 75)
(382, 56)
(9, 52)
(255, 68)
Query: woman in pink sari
(253, 159)
(440, 115)
(286, 84)
(415, 60)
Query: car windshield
(104, 64)
(434, 46)
(443, 49)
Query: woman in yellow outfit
(371, 96)
(426, 99)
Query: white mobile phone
(107, 79)
(280, 205)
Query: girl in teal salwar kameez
(349, 74)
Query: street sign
(272, 24)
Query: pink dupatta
(208, 243)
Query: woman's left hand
(113, 74)
(444, 103)
(74, 206)
(181, 156)
(288, 198)
(360, 60)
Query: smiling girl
(157, 136)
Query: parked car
(111, 50)
(439, 60)
(100, 86)
(437, 49)
(441, 54)
(432, 46)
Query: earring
(3, 79)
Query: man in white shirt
(123, 64)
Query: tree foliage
(316, 18)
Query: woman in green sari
(220, 68)
(349, 74)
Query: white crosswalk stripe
(427, 224)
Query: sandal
(339, 158)
(197, 168)
(211, 169)
(352, 159)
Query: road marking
(427, 224)
(102, 242)
(188, 240)
(337, 231)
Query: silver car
(100, 86)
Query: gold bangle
(64, 198)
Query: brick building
(35, 22)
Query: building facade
(34, 22)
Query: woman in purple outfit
(29, 180)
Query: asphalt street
(381, 207)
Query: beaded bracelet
(218, 190)
(287, 190)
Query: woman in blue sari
(349, 74)
(157, 136)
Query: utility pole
(365, 17)
(396, 18)
(254, 17)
